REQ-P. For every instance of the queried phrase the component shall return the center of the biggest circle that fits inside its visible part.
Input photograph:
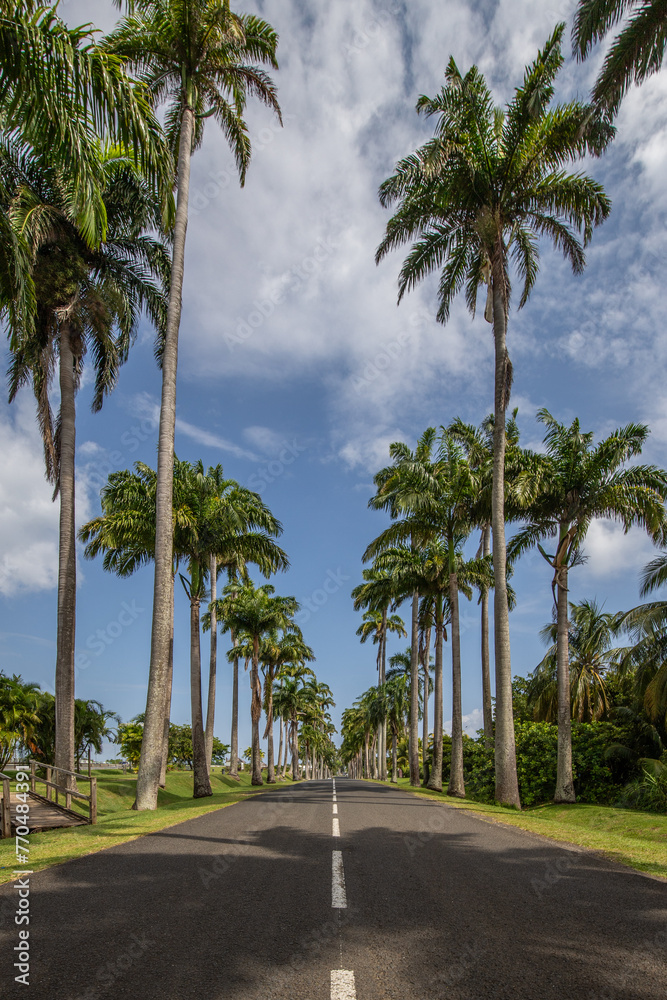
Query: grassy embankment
(118, 823)
(633, 838)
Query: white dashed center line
(336, 827)
(335, 809)
(338, 895)
(342, 985)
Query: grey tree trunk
(234, 751)
(414, 693)
(374, 757)
(202, 782)
(456, 783)
(383, 725)
(425, 667)
(167, 707)
(295, 750)
(487, 703)
(213, 665)
(435, 779)
(394, 756)
(268, 732)
(367, 770)
(280, 746)
(255, 714)
(66, 629)
(564, 780)
(507, 785)
(150, 763)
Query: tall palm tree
(377, 624)
(59, 92)
(398, 488)
(635, 53)
(477, 197)
(88, 301)
(591, 634)
(195, 55)
(576, 482)
(477, 443)
(398, 702)
(276, 652)
(256, 612)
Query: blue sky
(297, 369)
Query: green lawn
(633, 838)
(117, 823)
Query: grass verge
(636, 839)
(117, 823)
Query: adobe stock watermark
(219, 180)
(271, 470)
(384, 359)
(99, 641)
(290, 282)
(331, 584)
(371, 28)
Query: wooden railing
(55, 788)
(5, 814)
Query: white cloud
(144, 406)
(611, 553)
(265, 439)
(471, 722)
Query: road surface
(337, 891)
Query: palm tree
(398, 488)
(576, 482)
(635, 53)
(477, 197)
(276, 652)
(378, 623)
(256, 612)
(88, 300)
(59, 93)
(197, 57)
(477, 443)
(398, 703)
(591, 632)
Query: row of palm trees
(219, 529)
(436, 497)
(474, 202)
(92, 233)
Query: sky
(297, 369)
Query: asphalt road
(378, 894)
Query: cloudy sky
(297, 369)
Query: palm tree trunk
(487, 703)
(280, 746)
(202, 783)
(456, 783)
(425, 667)
(167, 707)
(507, 785)
(374, 756)
(394, 760)
(150, 763)
(64, 680)
(213, 666)
(435, 779)
(295, 749)
(255, 713)
(367, 770)
(234, 752)
(268, 732)
(564, 781)
(383, 673)
(414, 693)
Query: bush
(536, 758)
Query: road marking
(342, 985)
(336, 827)
(338, 894)
(334, 797)
(335, 809)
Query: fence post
(6, 814)
(93, 800)
(32, 776)
(48, 779)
